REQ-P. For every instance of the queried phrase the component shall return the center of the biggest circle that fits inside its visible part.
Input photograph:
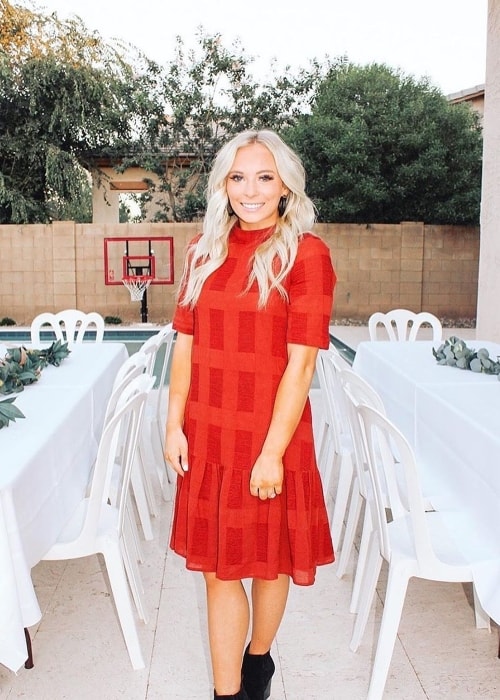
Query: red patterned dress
(239, 354)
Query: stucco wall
(379, 267)
(488, 319)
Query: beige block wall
(379, 267)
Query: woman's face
(254, 187)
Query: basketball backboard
(144, 255)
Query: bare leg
(268, 603)
(228, 619)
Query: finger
(183, 460)
(175, 464)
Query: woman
(254, 307)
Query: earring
(282, 205)
(229, 209)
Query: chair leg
(162, 470)
(133, 530)
(141, 501)
(362, 556)
(367, 590)
(397, 586)
(145, 458)
(134, 578)
(350, 530)
(119, 586)
(341, 497)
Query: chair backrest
(134, 366)
(168, 344)
(153, 344)
(403, 325)
(118, 444)
(390, 456)
(326, 377)
(69, 326)
(357, 392)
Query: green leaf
(9, 412)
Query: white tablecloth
(452, 418)
(45, 463)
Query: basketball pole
(144, 307)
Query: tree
(210, 95)
(379, 146)
(66, 96)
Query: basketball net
(137, 285)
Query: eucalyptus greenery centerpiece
(21, 367)
(455, 353)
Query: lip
(252, 207)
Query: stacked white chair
(152, 447)
(149, 458)
(403, 325)
(336, 449)
(133, 367)
(357, 391)
(69, 326)
(414, 543)
(97, 525)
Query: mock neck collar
(253, 236)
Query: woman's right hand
(176, 450)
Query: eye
(267, 178)
(236, 178)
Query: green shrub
(112, 320)
(6, 321)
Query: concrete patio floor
(79, 652)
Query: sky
(442, 40)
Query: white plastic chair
(415, 543)
(403, 325)
(357, 391)
(69, 325)
(134, 366)
(96, 525)
(151, 449)
(336, 451)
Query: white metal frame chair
(69, 326)
(97, 526)
(414, 543)
(403, 325)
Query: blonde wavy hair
(209, 252)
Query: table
(45, 463)
(452, 419)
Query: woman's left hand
(266, 479)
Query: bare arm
(267, 473)
(180, 380)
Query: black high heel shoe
(241, 695)
(256, 674)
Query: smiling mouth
(251, 207)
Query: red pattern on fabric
(238, 358)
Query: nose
(251, 187)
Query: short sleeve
(183, 320)
(312, 282)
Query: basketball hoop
(137, 285)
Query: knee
(213, 583)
